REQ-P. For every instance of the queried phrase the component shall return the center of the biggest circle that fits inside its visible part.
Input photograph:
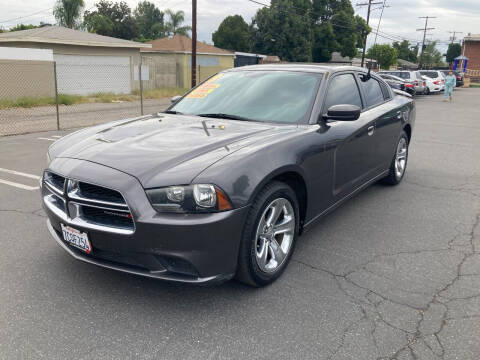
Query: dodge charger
(222, 183)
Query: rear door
(380, 106)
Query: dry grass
(65, 99)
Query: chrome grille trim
(48, 178)
(74, 192)
(68, 205)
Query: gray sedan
(222, 184)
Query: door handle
(371, 130)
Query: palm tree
(67, 12)
(173, 26)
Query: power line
(25, 16)
(453, 38)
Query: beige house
(175, 53)
(86, 63)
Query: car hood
(164, 145)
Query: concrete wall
(22, 78)
(162, 71)
(207, 65)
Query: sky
(401, 19)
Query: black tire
(427, 91)
(393, 178)
(248, 270)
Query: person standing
(450, 83)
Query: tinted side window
(372, 91)
(343, 90)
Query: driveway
(392, 274)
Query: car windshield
(270, 96)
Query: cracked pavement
(393, 274)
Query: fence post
(56, 93)
(199, 75)
(141, 85)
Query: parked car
(398, 83)
(224, 181)
(434, 79)
(460, 76)
(413, 77)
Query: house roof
(407, 63)
(338, 58)
(66, 36)
(472, 37)
(183, 44)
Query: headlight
(198, 198)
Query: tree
(174, 25)
(431, 56)
(149, 20)
(406, 51)
(454, 50)
(20, 27)
(348, 30)
(112, 19)
(68, 12)
(283, 30)
(385, 55)
(324, 43)
(232, 34)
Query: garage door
(85, 74)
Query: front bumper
(193, 248)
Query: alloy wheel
(401, 158)
(275, 234)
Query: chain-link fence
(82, 91)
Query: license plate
(76, 238)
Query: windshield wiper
(225, 116)
(173, 112)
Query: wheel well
(408, 130)
(296, 182)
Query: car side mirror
(175, 98)
(343, 112)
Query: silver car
(413, 77)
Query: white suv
(435, 80)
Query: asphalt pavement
(392, 274)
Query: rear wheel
(399, 162)
(269, 235)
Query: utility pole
(369, 4)
(194, 43)
(424, 35)
(453, 38)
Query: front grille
(108, 217)
(87, 205)
(95, 192)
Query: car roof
(303, 67)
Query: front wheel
(269, 235)
(399, 162)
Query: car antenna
(368, 75)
